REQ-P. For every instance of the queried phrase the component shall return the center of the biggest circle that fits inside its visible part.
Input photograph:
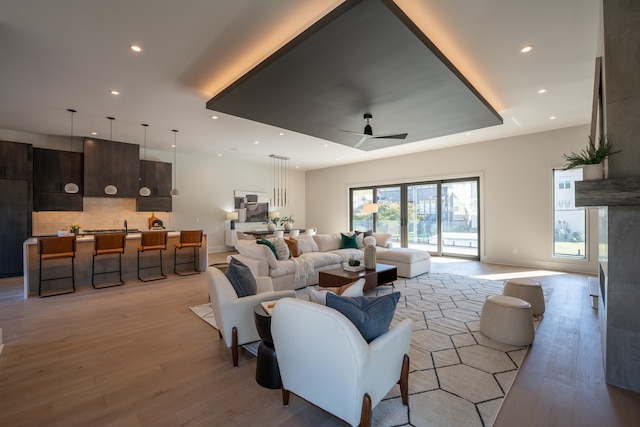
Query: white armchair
(324, 359)
(234, 316)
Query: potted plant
(272, 223)
(591, 158)
(287, 222)
(74, 228)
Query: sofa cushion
(371, 315)
(251, 249)
(282, 250)
(327, 242)
(322, 259)
(268, 244)
(293, 247)
(404, 255)
(349, 241)
(241, 278)
(347, 254)
(319, 294)
(306, 244)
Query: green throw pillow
(371, 315)
(269, 244)
(241, 278)
(349, 241)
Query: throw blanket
(304, 267)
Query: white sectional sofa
(323, 252)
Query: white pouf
(528, 290)
(507, 320)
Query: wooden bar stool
(152, 241)
(50, 248)
(188, 239)
(108, 244)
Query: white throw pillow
(319, 295)
(306, 244)
(282, 250)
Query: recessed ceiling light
(552, 118)
(173, 145)
(281, 133)
(219, 154)
(135, 48)
(94, 133)
(256, 142)
(114, 92)
(527, 48)
(297, 166)
(542, 91)
(214, 117)
(468, 133)
(326, 145)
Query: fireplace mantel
(608, 192)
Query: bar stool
(108, 244)
(152, 241)
(188, 239)
(50, 248)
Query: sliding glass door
(441, 217)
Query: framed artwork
(252, 206)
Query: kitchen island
(83, 260)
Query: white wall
(515, 194)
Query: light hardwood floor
(136, 356)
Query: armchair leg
(285, 396)
(365, 415)
(234, 346)
(404, 380)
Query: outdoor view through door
(439, 216)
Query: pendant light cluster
(144, 190)
(111, 189)
(174, 190)
(279, 180)
(71, 187)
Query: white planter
(590, 172)
(271, 227)
(288, 226)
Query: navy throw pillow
(371, 315)
(241, 278)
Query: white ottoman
(528, 290)
(507, 320)
(410, 262)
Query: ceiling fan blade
(361, 141)
(392, 136)
(355, 133)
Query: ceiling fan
(368, 132)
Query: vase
(271, 227)
(590, 172)
(370, 257)
(288, 226)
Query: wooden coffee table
(337, 277)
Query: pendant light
(71, 187)
(144, 190)
(111, 189)
(174, 190)
(279, 180)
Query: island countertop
(84, 258)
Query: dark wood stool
(108, 244)
(188, 239)
(152, 241)
(50, 248)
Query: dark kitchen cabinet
(156, 176)
(52, 170)
(111, 163)
(16, 169)
(15, 160)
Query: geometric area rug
(457, 377)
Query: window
(569, 232)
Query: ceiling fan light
(71, 188)
(111, 190)
(145, 192)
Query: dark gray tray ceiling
(366, 56)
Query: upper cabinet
(111, 163)
(157, 177)
(15, 160)
(52, 170)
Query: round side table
(267, 371)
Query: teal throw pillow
(371, 315)
(241, 278)
(349, 241)
(269, 244)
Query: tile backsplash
(98, 213)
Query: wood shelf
(608, 192)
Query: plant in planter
(591, 155)
(287, 222)
(272, 223)
(74, 228)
